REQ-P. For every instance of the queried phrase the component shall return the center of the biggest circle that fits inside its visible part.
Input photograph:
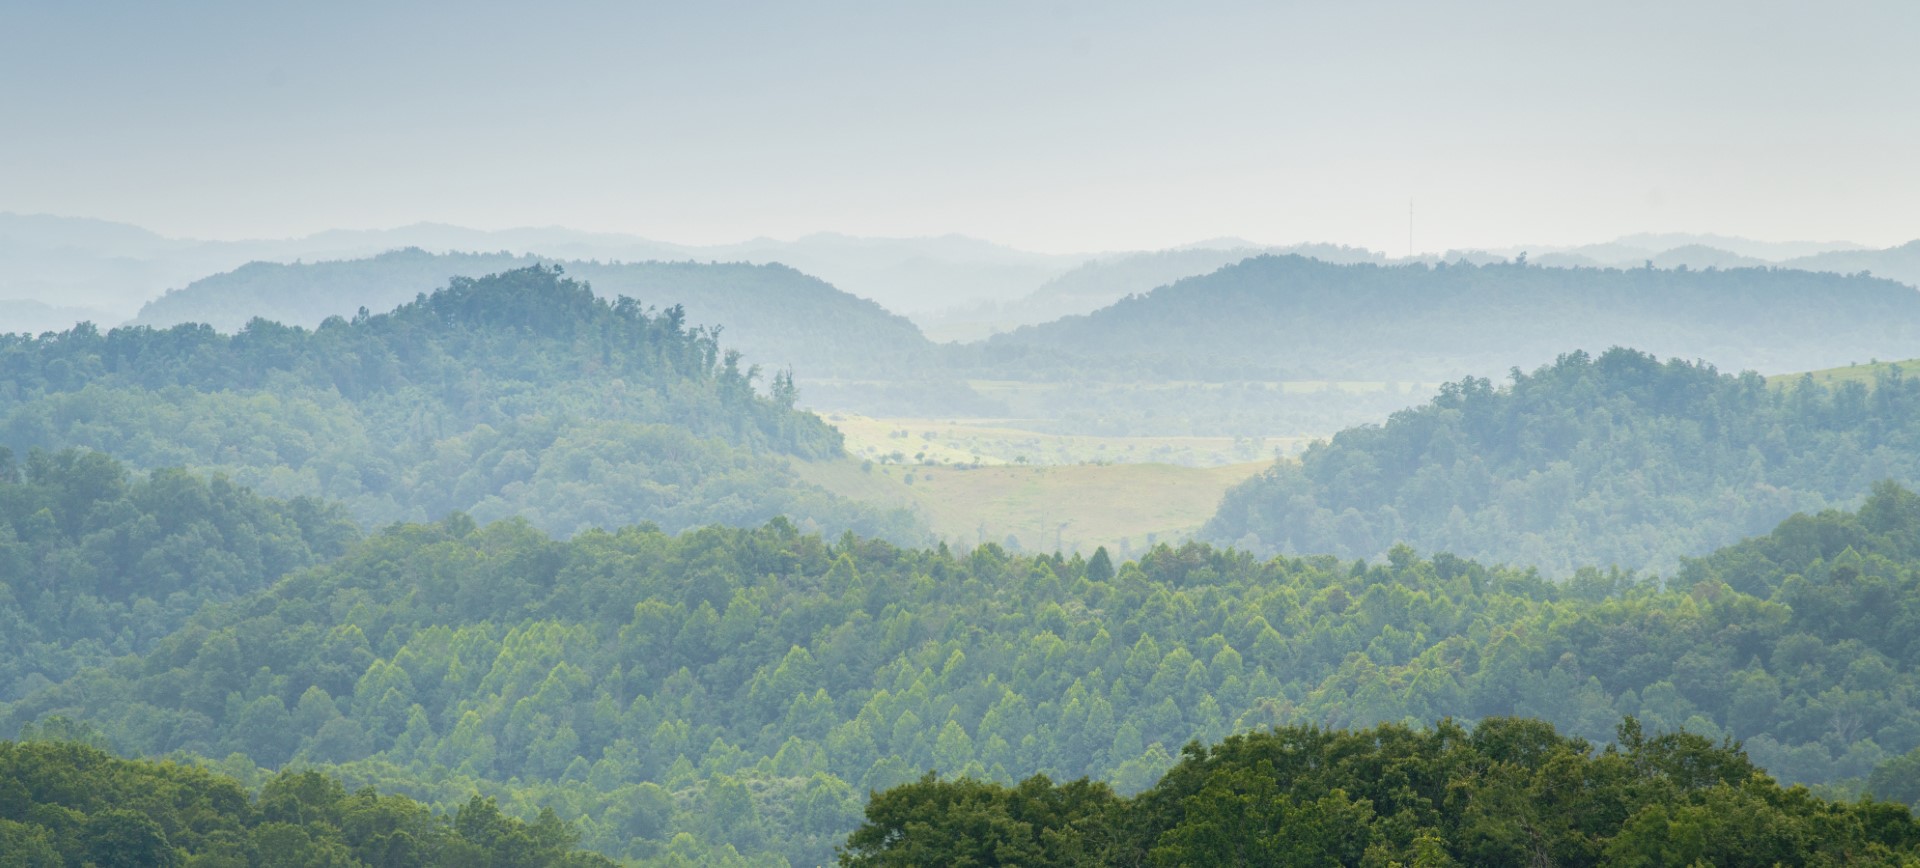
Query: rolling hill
(775, 316)
(1616, 459)
(1290, 317)
(515, 394)
(679, 695)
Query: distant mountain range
(115, 267)
(959, 288)
(774, 315)
(1101, 282)
(1290, 317)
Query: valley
(1072, 508)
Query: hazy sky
(1053, 126)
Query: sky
(1060, 127)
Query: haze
(1053, 127)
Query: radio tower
(1409, 228)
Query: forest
(65, 803)
(97, 563)
(729, 696)
(518, 568)
(1616, 459)
(775, 316)
(777, 435)
(1294, 318)
(521, 394)
(1505, 792)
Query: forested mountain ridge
(775, 316)
(95, 563)
(519, 393)
(1100, 282)
(1507, 792)
(1900, 263)
(1616, 459)
(69, 804)
(1288, 317)
(745, 686)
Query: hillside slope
(516, 394)
(96, 562)
(1615, 459)
(1294, 318)
(744, 687)
(775, 316)
(1101, 282)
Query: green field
(1864, 374)
(1002, 442)
(1126, 507)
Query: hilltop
(1289, 317)
(1611, 459)
(516, 394)
(775, 316)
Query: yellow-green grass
(1863, 374)
(1002, 388)
(1002, 442)
(1125, 507)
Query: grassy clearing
(1001, 442)
(1862, 374)
(1126, 507)
(1014, 388)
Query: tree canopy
(1615, 459)
(1505, 792)
(70, 804)
(517, 394)
(726, 695)
(1291, 317)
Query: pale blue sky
(1052, 126)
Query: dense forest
(96, 563)
(516, 394)
(728, 695)
(1616, 459)
(1101, 282)
(1289, 317)
(70, 804)
(1507, 792)
(775, 316)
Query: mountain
(744, 687)
(1700, 256)
(1289, 317)
(1900, 263)
(116, 267)
(914, 276)
(1629, 250)
(775, 316)
(1615, 459)
(1103, 281)
(516, 394)
(34, 317)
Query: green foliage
(63, 803)
(773, 314)
(516, 394)
(677, 696)
(1618, 459)
(1511, 791)
(96, 562)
